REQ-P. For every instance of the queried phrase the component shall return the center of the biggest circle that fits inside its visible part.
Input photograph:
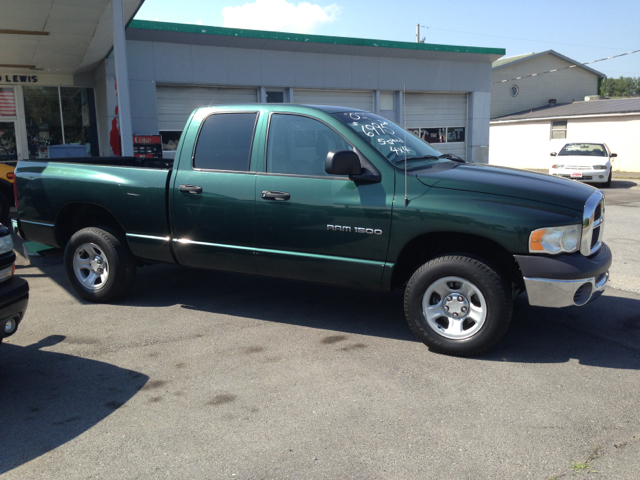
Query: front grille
(598, 212)
(592, 224)
(595, 237)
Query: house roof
(505, 61)
(615, 106)
(257, 39)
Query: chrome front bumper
(545, 292)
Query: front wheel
(458, 305)
(607, 184)
(99, 264)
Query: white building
(525, 140)
(519, 83)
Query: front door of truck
(213, 196)
(313, 226)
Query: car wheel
(458, 305)
(99, 264)
(607, 184)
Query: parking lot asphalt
(202, 374)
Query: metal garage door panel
(175, 104)
(435, 110)
(342, 98)
(438, 111)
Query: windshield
(391, 140)
(586, 149)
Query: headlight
(555, 239)
(6, 244)
(599, 167)
(557, 166)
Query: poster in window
(434, 135)
(455, 134)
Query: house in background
(540, 101)
(512, 90)
(526, 139)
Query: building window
(170, 140)
(559, 129)
(59, 116)
(440, 134)
(275, 96)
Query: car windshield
(586, 149)
(391, 140)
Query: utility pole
(418, 39)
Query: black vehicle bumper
(14, 298)
(565, 280)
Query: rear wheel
(99, 264)
(458, 305)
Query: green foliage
(620, 87)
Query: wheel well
(425, 247)
(76, 216)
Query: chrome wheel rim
(454, 308)
(91, 266)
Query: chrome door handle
(268, 195)
(193, 189)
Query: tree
(620, 87)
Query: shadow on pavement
(606, 333)
(621, 184)
(48, 398)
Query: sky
(583, 30)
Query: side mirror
(342, 162)
(553, 154)
(613, 155)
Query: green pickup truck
(333, 195)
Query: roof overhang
(264, 40)
(62, 37)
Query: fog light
(10, 327)
(601, 176)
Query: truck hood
(508, 182)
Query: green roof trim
(296, 37)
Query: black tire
(607, 184)
(112, 255)
(489, 300)
(5, 211)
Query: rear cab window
(225, 141)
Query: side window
(299, 145)
(225, 141)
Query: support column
(122, 78)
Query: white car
(587, 162)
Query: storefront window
(42, 114)
(52, 122)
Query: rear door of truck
(212, 202)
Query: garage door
(341, 98)
(175, 104)
(441, 119)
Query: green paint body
(230, 227)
